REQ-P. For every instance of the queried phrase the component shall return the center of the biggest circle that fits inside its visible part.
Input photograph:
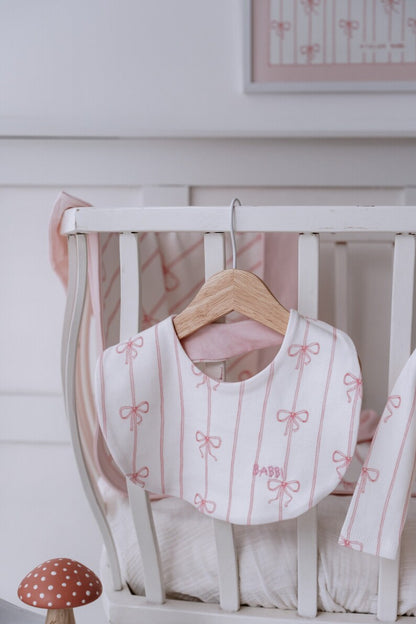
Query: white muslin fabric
(249, 452)
(378, 509)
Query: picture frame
(330, 46)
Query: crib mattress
(267, 558)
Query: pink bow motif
(204, 505)
(303, 352)
(292, 419)
(310, 51)
(310, 6)
(356, 385)
(354, 545)
(137, 477)
(368, 474)
(130, 348)
(343, 462)
(205, 379)
(348, 26)
(390, 5)
(207, 442)
(393, 402)
(411, 22)
(280, 28)
(283, 489)
(134, 412)
(171, 279)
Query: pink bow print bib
(255, 451)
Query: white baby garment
(378, 509)
(254, 451)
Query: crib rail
(310, 221)
(247, 218)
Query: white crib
(336, 224)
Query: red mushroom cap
(59, 584)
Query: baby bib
(264, 449)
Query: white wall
(159, 68)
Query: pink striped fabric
(378, 508)
(249, 452)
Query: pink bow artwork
(204, 505)
(368, 474)
(390, 5)
(355, 385)
(205, 379)
(348, 26)
(393, 402)
(354, 545)
(207, 443)
(303, 353)
(130, 348)
(280, 28)
(283, 489)
(134, 412)
(310, 6)
(343, 462)
(137, 477)
(292, 419)
(310, 51)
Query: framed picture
(330, 45)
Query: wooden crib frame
(340, 223)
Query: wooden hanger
(227, 291)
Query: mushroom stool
(59, 585)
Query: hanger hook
(232, 230)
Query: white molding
(208, 162)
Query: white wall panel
(160, 68)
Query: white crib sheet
(267, 558)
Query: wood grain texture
(232, 290)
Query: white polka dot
(50, 587)
(28, 595)
(53, 573)
(97, 593)
(79, 565)
(20, 596)
(27, 584)
(41, 595)
(43, 568)
(60, 559)
(35, 586)
(79, 583)
(67, 577)
(64, 569)
(68, 604)
(43, 578)
(83, 601)
(34, 603)
(68, 563)
(74, 593)
(75, 571)
(49, 604)
(63, 584)
(36, 575)
(87, 575)
(58, 595)
(56, 564)
(90, 584)
(88, 592)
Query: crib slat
(214, 254)
(138, 498)
(77, 257)
(400, 348)
(341, 286)
(307, 525)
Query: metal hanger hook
(232, 230)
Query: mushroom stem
(60, 616)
